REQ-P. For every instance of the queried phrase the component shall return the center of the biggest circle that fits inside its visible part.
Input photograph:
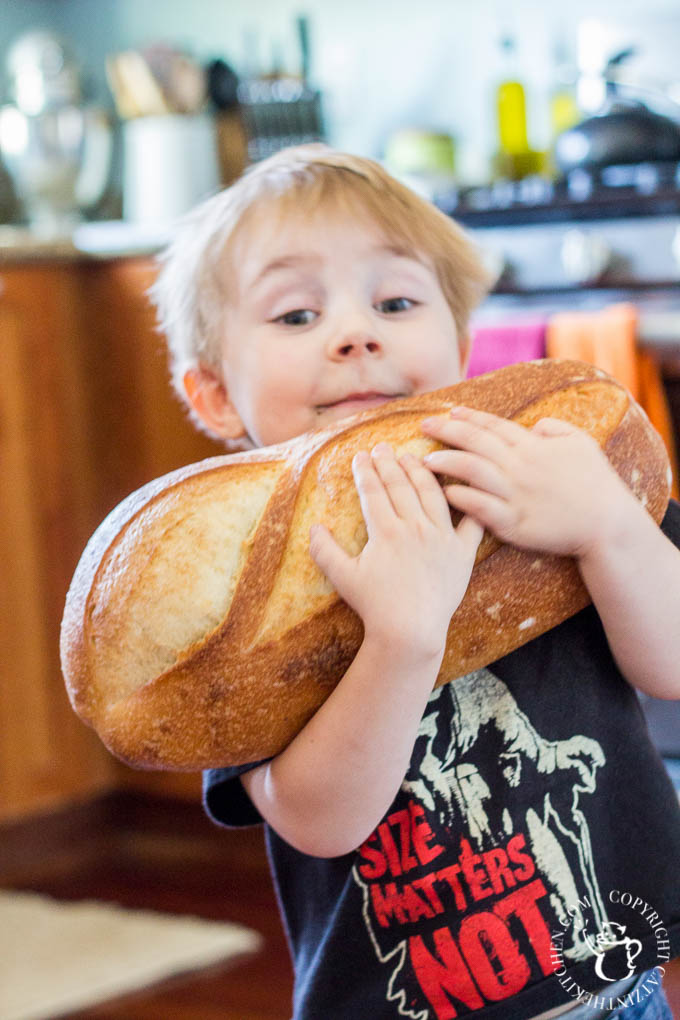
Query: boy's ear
(209, 398)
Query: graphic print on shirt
(457, 929)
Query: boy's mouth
(359, 401)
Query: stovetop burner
(640, 189)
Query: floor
(164, 854)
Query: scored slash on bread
(198, 631)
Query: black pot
(624, 133)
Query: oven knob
(584, 257)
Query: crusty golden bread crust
(198, 632)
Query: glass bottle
(564, 108)
(514, 157)
(511, 104)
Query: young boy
(508, 845)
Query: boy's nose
(357, 343)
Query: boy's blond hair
(192, 287)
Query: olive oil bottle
(514, 157)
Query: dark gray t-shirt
(533, 849)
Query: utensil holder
(170, 163)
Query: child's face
(329, 319)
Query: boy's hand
(411, 575)
(549, 488)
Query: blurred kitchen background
(552, 132)
(381, 69)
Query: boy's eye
(395, 304)
(298, 317)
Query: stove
(612, 228)
(630, 189)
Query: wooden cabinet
(86, 416)
(140, 429)
(47, 502)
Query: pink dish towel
(496, 346)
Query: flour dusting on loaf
(199, 632)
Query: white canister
(170, 163)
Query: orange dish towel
(607, 338)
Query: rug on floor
(58, 956)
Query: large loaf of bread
(199, 632)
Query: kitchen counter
(116, 239)
(18, 245)
(103, 240)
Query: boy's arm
(633, 576)
(553, 489)
(326, 792)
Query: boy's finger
(488, 510)
(397, 482)
(329, 557)
(468, 467)
(477, 432)
(470, 532)
(511, 432)
(376, 505)
(428, 490)
(463, 435)
(554, 427)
